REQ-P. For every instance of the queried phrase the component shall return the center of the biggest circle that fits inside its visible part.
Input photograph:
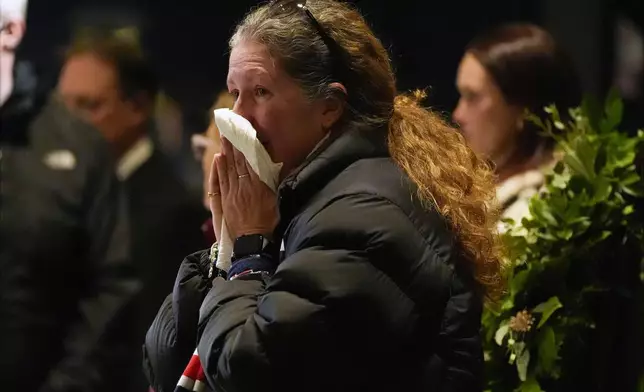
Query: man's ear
(334, 105)
(143, 102)
(12, 34)
(141, 106)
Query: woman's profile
(504, 72)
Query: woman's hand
(250, 205)
(214, 196)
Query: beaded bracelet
(214, 252)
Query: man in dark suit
(107, 81)
(65, 273)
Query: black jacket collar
(330, 159)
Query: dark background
(187, 39)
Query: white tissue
(241, 134)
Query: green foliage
(590, 207)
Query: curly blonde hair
(453, 179)
(450, 177)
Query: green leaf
(587, 153)
(559, 206)
(614, 109)
(603, 189)
(548, 349)
(635, 192)
(630, 178)
(530, 385)
(540, 209)
(523, 360)
(605, 234)
(576, 188)
(574, 162)
(547, 309)
(553, 112)
(560, 180)
(507, 304)
(517, 284)
(621, 156)
(547, 235)
(500, 334)
(533, 118)
(565, 233)
(591, 109)
(601, 159)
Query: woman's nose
(245, 110)
(458, 116)
(240, 107)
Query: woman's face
(487, 121)
(288, 124)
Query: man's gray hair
(13, 9)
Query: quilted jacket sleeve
(172, 337)
(328, 319)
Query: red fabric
(194, 368)
(193, 373)
(201, 375)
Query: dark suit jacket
(166, 226)
(65, 271)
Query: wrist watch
(249, 245)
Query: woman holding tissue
(367, 269)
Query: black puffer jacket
(369, 296)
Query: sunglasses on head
(336, 51)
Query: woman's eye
(469, 97)
(235, 94)
(261, 91)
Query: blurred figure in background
(204, 147)
(503, 73)
(207, 144)
(65, 276)
(172, 136)
(107, 80)
(629, 71)
(168, 125)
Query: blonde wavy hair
(449, 176)
(452, 179)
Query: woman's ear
(521, 115)
(334, 105)
(339, 87)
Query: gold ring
(213, 194)
(243, 175)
